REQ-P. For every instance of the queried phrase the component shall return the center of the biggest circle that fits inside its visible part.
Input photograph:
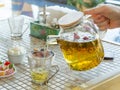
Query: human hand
(105, 16)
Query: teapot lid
(70, 19)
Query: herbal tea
(81, 53)
(40, 62)
(39, 75)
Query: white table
(63, 80)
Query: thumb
(90, 11)
(96, 10)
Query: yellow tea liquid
(82, 55)
(39, 75)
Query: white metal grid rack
(62, 80)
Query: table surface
(63, 80)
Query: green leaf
(0, 62)
(11, 66)
(71, 2)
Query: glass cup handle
(27, 25)
(56, 68)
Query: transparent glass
(16, 53)
(81, 46)
(40, 65)
(17, 27)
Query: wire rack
(63, 80)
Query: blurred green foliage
(85, 3)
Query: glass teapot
(80, 42)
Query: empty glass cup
(16, 25)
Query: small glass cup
(16, 25)
(40, 66)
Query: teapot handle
(101, 33)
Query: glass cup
(16, 25)
(41, 68)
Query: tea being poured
(41, 68)
(81, 46)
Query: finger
(96, 10)
(103, 28)
(113, 25)
(96, 17)
(100, 20)
(105, 23)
